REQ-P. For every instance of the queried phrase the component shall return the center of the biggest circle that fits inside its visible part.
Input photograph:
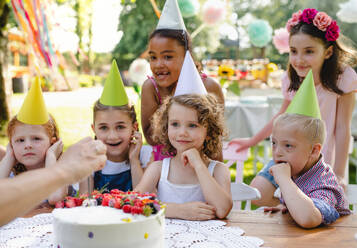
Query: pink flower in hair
(308, 15)
(332, 31)
(322, 21)
(294, 20)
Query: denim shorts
(265, 173)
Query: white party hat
(171, 17)
(190, 81)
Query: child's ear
(92, 126)
(53, 140)
(316, 150)
(328, 52)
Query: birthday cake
(119, 220)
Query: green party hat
(305, 100)
(114, 92)
(33, 110)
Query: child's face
(114, 128)
(30, 144)
(307, 52)
(291, 146)
(166, 59)
(184, 131)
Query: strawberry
(70, 203)
(59, 204)
(117, 204)
(78, 201)
(127, 208)
(136, 210)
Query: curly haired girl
(193, 186)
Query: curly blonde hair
(209, 114)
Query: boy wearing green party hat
(115, 124)
(309, 188)
(33, 140)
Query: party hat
(171, 17)
(33, 110)
(189, 81)
(305, 100)
(114, 92)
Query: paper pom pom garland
(260, 33)
(139, 70)
(281, 40)
(188, 8)
(213, 12)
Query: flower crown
(319, 19)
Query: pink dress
(157, 149)
(328, 107)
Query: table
(280, 231)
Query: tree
(4, 13)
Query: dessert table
(243, 228)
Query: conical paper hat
(114, 92)
(171, 17)
(189, 81)
(33, 110)
(305, 100)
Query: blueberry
(99, 201)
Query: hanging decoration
(260, 33)
(188, 8)
(156, 9)
(281, 40)
(139, 70)
(213, 12)
(348, 11)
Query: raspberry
(59, 204)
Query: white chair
(352, 196)
(239, 190)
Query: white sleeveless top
(179, 193)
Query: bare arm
(134, 157)
(149, 104)
(150, 179)
(345, 106)
(300, 206)
(24, 192)
(262, 134)
(214, 88)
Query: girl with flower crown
(314, 45)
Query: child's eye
(174, 124)
(168, 57)
(309, 51)
(151, 58)
(192, 125)
(19, 140)
(121, 127)
(37, 138)
(103, 128)
(288, 146)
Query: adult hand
(53, 153)
(244, 143)
(135, 146)
(198, 211)
(278, 171)
(82, 158)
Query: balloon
(281, 40)
(348, 11)
(188, 8)
(139, 70)
(260, 33)
(213, 12)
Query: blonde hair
(312, 128)
(209, 114)
(50, 127)
(128, 109)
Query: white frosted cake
(106, 227)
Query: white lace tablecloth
(36, 232)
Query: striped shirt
(320, 184)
